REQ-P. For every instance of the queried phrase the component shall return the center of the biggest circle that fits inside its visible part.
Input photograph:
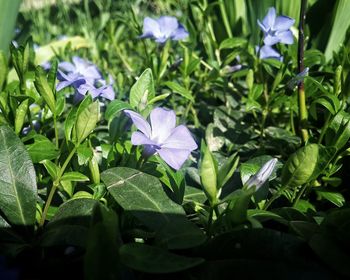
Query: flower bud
(262, 175)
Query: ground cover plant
(181, 139)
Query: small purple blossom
(173, 143)
(276, 29)
(84, 77)
(162, 29)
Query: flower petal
(283, 23)
(271, 40)
(163, 121)
(180, 138)
(263, 27)
(180, 33)
(66, 66)
(286, 37)
(168, 25)
(174, 157)
(139, 122)
(138, 138)
(269, 52)
(150, 28)
(269, 19)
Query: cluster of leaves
(75, 192)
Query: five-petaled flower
(173, 143)
(84, 77)
(276, 30)
(162, 29)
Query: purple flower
(81, 67)
(268, 52)
(173, 144)
(162, 29)
(85, 77)
(276, 29)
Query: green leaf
(143, 90)
(227, 169)
(86, 121)
(51, 168)
(339, 27)
(334, 197)
(101, 260)
(180, 90)
(69, 226)
(74, 176)
(69, 123)
(115, 107)
(42, 149)
(8, 16)
(21, 113)
(3, 69)
(42, 86)
(329, 101)
(151, 259)
(338, 132)
(17, 180)
(239, 207)
(143, 196)
(84, 153)
(306, 164)
(231, 43)
(208, 174)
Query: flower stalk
(301, 89)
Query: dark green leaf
(17, 180)
(151, 259)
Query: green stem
(301, 90)
(324, 128)
(225, 18)
(56, 132)
(300, 194)
(210, 221)
(54, 187)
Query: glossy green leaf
(151, 259)
(179, 89)
(231, 43)
(306, 164)
(17, 180)
(115, 107)
(51, 168)
(3, 69)
(69, 123)
(227, 169)
(74, 176)
(143, 196)
(21, 113)
(338, 132)
(42, 149)
(208, 174)
(339, 27)
(8, 16)
(101, 258)
(43, 87)
(334, 197)
(143, 90)
(86, 121)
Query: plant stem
(225, 18)
(54, 186)
(300, 194)
(56, 132)
(301, 90)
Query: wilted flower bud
(262, 175)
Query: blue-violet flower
(162, 29)
(173, 143)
